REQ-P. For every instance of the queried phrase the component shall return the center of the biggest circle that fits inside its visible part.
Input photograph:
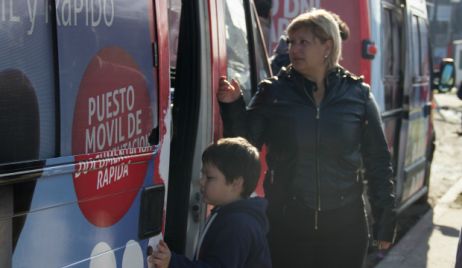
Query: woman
(320, 125)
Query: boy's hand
(161, 256)
(228, 92)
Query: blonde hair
(324, 26)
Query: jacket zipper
(318, 186)
(318, 183)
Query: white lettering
(3, 11)
(110, 20)
(131, 125)
(95, 22)
(77, 10)
(66, 12)
(95, 12)
(90, 145)
(46, 10)
(134, 123)
(101, 137)
(122, 92)
(130, 97)
(110, 131)
(295, 8)
(91, 109)
(306, 6)
(111, 174)
(32, 10)
(116, 102)
(7, 11)
(121, 135)
(100, 108)
(13, 18)
(58, 21)
(138, 122)
(275, 8)
(108, 105)
(111, 124)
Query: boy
(235, 233)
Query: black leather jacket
(315, 154)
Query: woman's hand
(161, 256)
(228, 92)
(383, 245)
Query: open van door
(215, 38)
(417, 125)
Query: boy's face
(215, 189)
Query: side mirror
(446, 76)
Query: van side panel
(352, 14)
(85, 208)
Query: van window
(424, 56)
(388, 43)
(392, 58)
(420, 51)
(416, 51)
(237, 47)
(174, 14)
(260, 55)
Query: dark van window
(425, 60)
(388, 43)
(392, 57)
(174, 14)
(260, 55)
(416, 51)
(420, 52)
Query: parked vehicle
(82, 92)
(85, 91)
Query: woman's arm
(239, 121)
(378, 172)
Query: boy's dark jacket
(236, 238)
(315, 153)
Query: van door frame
(414, 136)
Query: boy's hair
(235, 157)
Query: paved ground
(432, 241)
